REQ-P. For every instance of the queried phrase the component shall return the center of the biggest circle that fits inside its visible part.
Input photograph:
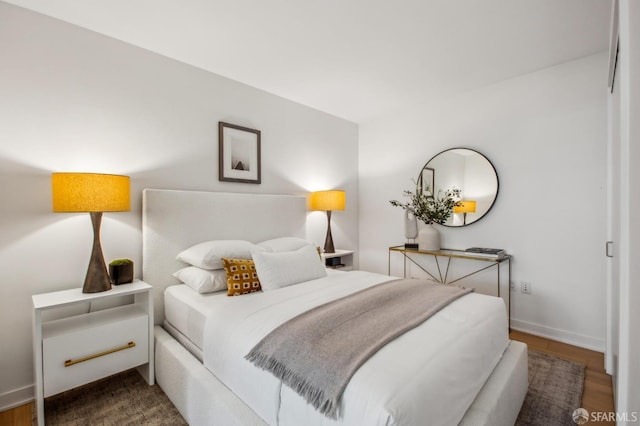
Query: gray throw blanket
(317, 352)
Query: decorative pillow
(284, 244)
(241, 276)
(202, 280)
(208, 255)
(288, 268)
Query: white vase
(429, 238)
(410, 225)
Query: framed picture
(426, 181)
(238, 153)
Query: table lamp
(327, 201)
(465, 207)
(92, 193)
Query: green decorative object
(121, 271)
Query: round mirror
(470, 172)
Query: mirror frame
(495, 172)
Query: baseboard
(17, 397)
(564, 336)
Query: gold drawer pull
(69, 362)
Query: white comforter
(429, 375)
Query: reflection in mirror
(467, 170)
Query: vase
(410, 225)
(429, 238)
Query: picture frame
(238, 153)
(427, 179)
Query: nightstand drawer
(88, 347)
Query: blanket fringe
(312, 394)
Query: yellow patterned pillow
(242, 277)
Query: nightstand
(79, 349)
(341, 259)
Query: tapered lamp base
(97, 278)
(328, 241)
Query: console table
(441, 274)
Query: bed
(451, 383)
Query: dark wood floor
(597, 396)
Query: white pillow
(284, 244)
(207, 255)
(286, 268)
(202, 280)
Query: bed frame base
(199, 396)
(500, 399)
(203, 400)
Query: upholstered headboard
(174, 220)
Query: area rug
(123, 399)
(555, 391)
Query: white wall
(546, 135)
(72, 100)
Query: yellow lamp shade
(327, 200)
(465, 207)
(90, 192)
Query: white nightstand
(80, 349)
(343, 258)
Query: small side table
(341, 259)
(75, 350)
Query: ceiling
(356, 59)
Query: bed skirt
(203, 400)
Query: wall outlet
(525, 287)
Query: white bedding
(430, 374)
(186, 310)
